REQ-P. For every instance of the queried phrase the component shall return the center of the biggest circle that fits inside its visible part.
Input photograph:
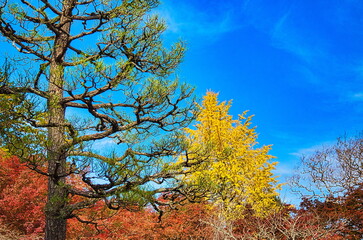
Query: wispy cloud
(284, 169)
(312, 149)
(189, 21)
(284, 35)
(280, 23)
(104, 145)
(309, 75)
(356, 97)
(323, 55)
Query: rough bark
(56, 217)
(57, 195)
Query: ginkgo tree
(234, 172)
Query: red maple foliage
(184, 223)
(344, 211)
(22, 203)
(22, 196)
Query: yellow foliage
(235, 172)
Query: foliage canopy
(232, 170)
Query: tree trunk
(57, 194)
(56, 216)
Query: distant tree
(86, 72)
(342, 213)
(330, 181)
(235, 172)
(353, 212)
(287, 223)
(332, 170)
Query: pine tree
(87, 71)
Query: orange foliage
(184, 223)
(23, 197)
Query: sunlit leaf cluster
(236, 173)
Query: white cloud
(284, 169)
(284, 35)
(312, 149)
(309, 75)
(357, 96)
(188, 21)
(104, 145)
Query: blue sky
(296, 65)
